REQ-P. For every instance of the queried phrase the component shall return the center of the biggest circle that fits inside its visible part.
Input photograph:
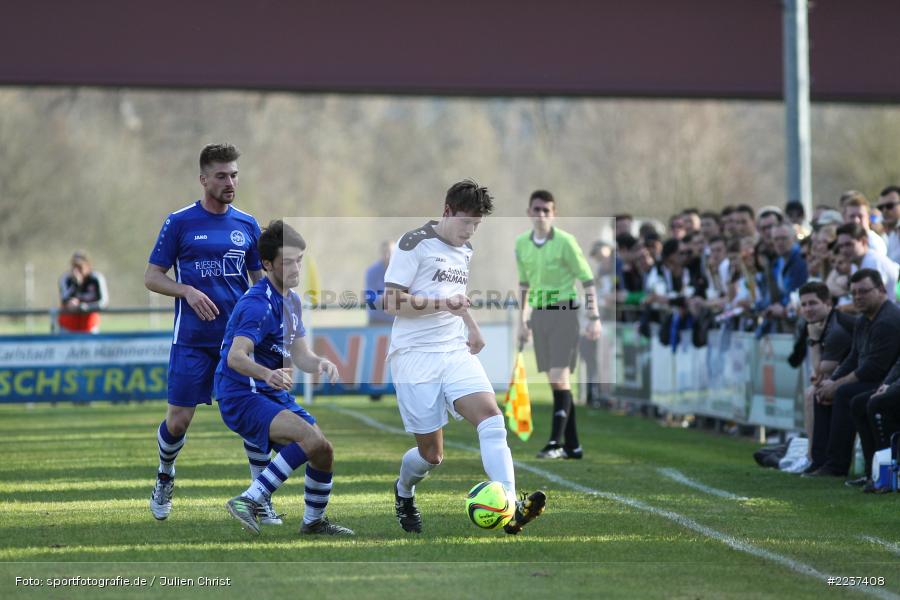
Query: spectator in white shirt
(853, 243)
(889, 205)
(855, 209)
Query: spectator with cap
(82, 294)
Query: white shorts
(428, 383)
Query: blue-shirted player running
(253, 381)
(212, 247)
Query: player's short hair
(276, 235)
(218, 153)
(542, 195)
(818, 288)
(470, 197)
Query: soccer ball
(490, 505)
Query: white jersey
(426, 265)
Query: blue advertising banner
(133, 366)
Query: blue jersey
(273, 322)
(212, 253)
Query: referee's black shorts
(555, 331)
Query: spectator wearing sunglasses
(889, 205)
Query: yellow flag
(313, 285)
(518, 403)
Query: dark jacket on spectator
(875, 348)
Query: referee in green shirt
(549, 262)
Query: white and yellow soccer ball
(490, 505)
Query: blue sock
(272, 478)
(318, 490)
(169, 447)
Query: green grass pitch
(75, 481)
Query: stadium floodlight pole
(796, 102)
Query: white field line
(688, 523)
(891, 547)
(680, 477)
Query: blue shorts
(250, 415)
(191, 371)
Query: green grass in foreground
(75, 481)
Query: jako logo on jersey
(451, 275)
(237, 238)
(200, 237)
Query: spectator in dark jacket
(872, 355)
(830, 337)
(877, 418)
(82, 293)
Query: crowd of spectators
(761, 271)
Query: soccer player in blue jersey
(212, 247)
(253, 381)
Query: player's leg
(472, 397)
(416, 377)
(190, 381)
(298, 428)
(561, 340)
(170, 437)
(480, 409)
(259, 460)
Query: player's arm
(156, 279)
(310, 362)
(398, 302)
(476, 340)
(240, 361)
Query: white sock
(495, 454)
(413, 469)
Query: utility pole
(796, 103)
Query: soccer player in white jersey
(432, 354)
